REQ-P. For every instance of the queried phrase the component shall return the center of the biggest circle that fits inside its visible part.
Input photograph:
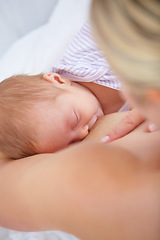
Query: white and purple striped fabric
(83, 61)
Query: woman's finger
(151, 127)
(126, 125)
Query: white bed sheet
(37, 52)
(6, 234)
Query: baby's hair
(18, 96)
(128, 32)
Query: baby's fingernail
(152, 127)
(105, 139)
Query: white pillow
(37, 51)
(19, 17)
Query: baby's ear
(56, 78)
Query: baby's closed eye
(75, 119)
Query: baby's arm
(89, 190)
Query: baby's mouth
(93, 121)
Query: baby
(45, 113)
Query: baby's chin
(50, 148)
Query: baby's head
(43, 114)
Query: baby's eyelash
(76, 116)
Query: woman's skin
(141, 143)
(92, 190)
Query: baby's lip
(92, 122)
(99, 116)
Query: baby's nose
(83, 132)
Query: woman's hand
(126, 125)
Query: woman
(132, 45)
(91, 190)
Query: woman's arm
(89, 190)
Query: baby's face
(67, 120)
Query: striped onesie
(83, 61)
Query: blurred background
(18, 17)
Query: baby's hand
(126, 125)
